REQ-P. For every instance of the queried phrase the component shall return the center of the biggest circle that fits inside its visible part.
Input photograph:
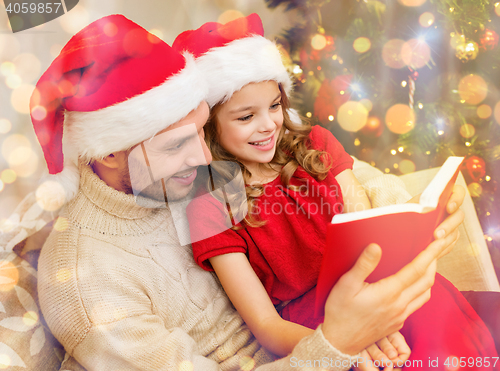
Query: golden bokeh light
(367, 103)
(229, 15)
(120, 313)
(4, 361)
(415, 53)
(426, 19)
(247, 363)
(352, 116)
(12, 142)
(406, 166)
(9, 275)
(496, 112)
(391, 53)
(50, 195)
(185, 366)
(473, 249)
(30, 318)
(400, 119)
(467, 131)
(475, 189)
(362, 44)
(497, 9)
(411, 3)
(157, 32)
(28, 67)
(456, 40)
(5, 126)
(7, 68)
(63, 275)
(472, 89)
(20, 98)
(13, 81)
(484, 111)
(8, 176)
(61, 224)
(318, 42)
(74, 21)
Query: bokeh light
(30, 318)
(367, 103)
(467, 131)
(157, 32)
(473, 249)
(185, 366)
(475, 189)
(415, 53)
(484, 111)
(406, 166)
(362, 44)
(5, 126)
(4, 361)
(9, 275)
(13, 81)
(456, 40)
(411, 2)
(9, 47)
(472, 89)
(61, 224)
(497, 9)
(496, 112)
(400, 119)
(28, 67)
(50, 195)
(426, 19)
(391, 53)
(318, 42)
(2, 186)
(7, 68)
(13, 142)
(229, 15)
(352, 116)
(247, 363)
(20, 98)
(63, 275)
(8, 176)
(74, 21)
(39, 113)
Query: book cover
(402, 231)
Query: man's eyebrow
(250, 107)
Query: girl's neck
(263, 173)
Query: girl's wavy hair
(293, 150)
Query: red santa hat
(233, 55)
(113, 85)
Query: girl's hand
(388, 352)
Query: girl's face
(249, 123)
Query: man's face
(165, 166)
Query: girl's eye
(276, 105)
(245, 118)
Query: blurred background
(402, 84)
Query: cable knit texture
(119, 292)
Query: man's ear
(112, 161)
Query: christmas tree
(403, 85)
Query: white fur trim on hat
(229, 68)
(99, 133)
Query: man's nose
(200, 155)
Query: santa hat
(233, 55)
(112, 86)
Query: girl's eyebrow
(250, 107)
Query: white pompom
(57, 189)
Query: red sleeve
(323, 140)
(210, 231)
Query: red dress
(286, 255)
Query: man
(116, 287)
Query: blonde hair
(292, 150)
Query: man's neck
(109, 176)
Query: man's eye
(176, 147)
(245, 118)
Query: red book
(402, 231)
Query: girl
(298, 177)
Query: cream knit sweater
(120, 293)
